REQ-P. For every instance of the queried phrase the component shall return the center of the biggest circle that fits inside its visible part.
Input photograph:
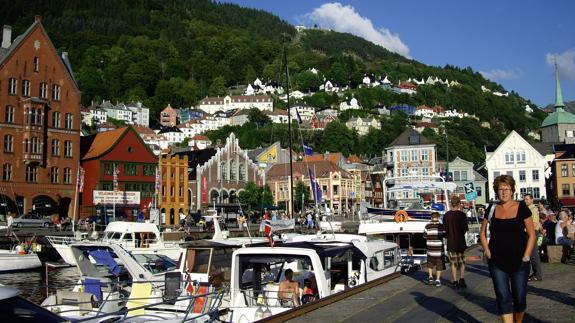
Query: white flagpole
(115, 184)
(76, 199)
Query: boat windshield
(156, 264)
(114, 236)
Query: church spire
(558, 96)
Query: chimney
(37, 18)
(6, 36)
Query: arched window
(223, 170)
(242, 172)
(232, 170)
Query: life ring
(401, 216)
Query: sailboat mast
(290, 135)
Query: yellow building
(174, 196)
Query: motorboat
(408, 202)
(15, 308)
(18, 259)
(116, 284)
(140, 237)
(330, 264)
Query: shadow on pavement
(443, 308)
(477, 269)
(490, 306)
(552, 295)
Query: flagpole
(289, 134)
(76, 199)
(115, 192)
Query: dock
(409, 299)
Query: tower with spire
(559, 126)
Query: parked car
(32, 220)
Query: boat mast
(289, 133)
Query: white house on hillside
(516, 157)
(213, 104)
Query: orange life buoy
(401, 216)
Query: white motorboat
(408, 202)
(332, 265)
(16, 260)
(143, 238)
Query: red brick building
(39, 125)
(136, 165)
(168, 116)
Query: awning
(567, 202)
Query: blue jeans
(510, 289)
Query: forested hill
(179, 51)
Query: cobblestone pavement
(409, 299)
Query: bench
(557, 253)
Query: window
(31, 174)
(463, 175)
(31, 116)
(496, 174)
(414, 155)
(573, 167)
(509, 157)
(404, 157)
(108, 169)
(456, 175)
(404, 172)
(536, 193)
(69, 120)
(35, 145)
(55, 92)
(232, 170)
(55, 147)
(522, 191)
(25, 88)
(107, 186)
(36, 64)
(54, 175)
(8, 144)
(43, 93)
(522, 176)
(67, 175)
(335, 189)
(535, 174)
(7, 173)
(566, 189)
(425, 155)
(67, 148)
(564, 172)
(242, 172)
(509, 172)
(149, 170)
(131, 169)
(9, 114)
(12, 86)
(223, 171)
(56, 119)
(478, 190)
(425, 171)
(520, 157)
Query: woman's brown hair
(504, 179)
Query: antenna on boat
(289, 129)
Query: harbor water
(32, 284)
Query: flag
(80, 179)
(190, 285)
(157, 183)
(314, 186)
(115, 173)
(299, 120)
(307, 150)
(268, 228)
(204, 190)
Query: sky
(512, 42)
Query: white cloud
(497, 74)
(565, 62)
(345, 19)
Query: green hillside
(180, 51)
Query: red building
(39, 125)
(135, 164)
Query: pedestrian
(536, 274)
(433, 233)
(455, 225)
(561, 230)
(508, 251)
(241, 222)
(309, 221)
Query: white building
(213, 104)
(516, 157)
(200, 142)
(362, 125)
(119, 112)
(173, 135)
(140, 114)
(351, 104)
(305, 112)
(411, 153)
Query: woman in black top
(510, 245)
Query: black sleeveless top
(509, 239)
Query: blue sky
(510, 42)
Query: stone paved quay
(408, 299)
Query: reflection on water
(32, 284)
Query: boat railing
(62, 240)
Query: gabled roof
(544, 148)
(404, 139)
(95, 146)
(5, 53)
(197, 158)
(321, 168)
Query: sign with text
(118, 198)
(470, 193)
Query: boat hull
(389, 214)
(12, 261)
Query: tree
(218, 87)
(301, 190)
(258, 117)
(249, 196)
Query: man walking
(535, 260)
(455, 225)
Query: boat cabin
(132, 234)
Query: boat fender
(401, 216)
